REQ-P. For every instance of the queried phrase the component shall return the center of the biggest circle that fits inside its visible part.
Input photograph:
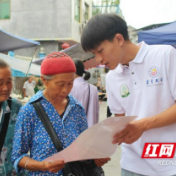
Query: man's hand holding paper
(132, 132)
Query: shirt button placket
(134, 78)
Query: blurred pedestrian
(86, 93)
(99, 87)
(28, 87)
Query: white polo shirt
(146, 88)
(29, 88)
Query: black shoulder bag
(76, 168)
(5, 125)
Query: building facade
(51, 22)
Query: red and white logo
(158, 150)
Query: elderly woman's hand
(102, 161)
(53, 167)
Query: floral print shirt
(6, 167)
(31, 136)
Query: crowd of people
(141, 82)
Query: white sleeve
(112, 101)
(24, 86)
(171, 72)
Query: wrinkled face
(109, 53)
(5, 83)
(59, 86)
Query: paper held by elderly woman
(95, 142)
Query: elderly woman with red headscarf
(65, 113)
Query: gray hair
(48, 77)
(4, 64)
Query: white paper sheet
(95, 142)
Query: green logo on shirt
(124, 91)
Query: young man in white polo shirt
(142, 82)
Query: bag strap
(9, 101)
(5, 125)
(49, 128)
(47, 124)
(88, 100)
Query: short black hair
(102, 27)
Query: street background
(112, 168)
